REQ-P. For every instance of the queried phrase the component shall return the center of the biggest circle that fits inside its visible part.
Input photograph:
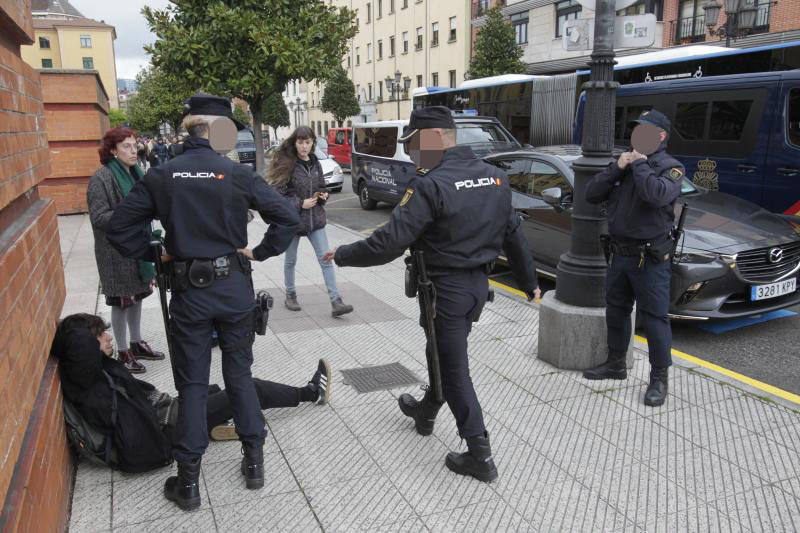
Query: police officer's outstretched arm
(125, 229)
(408, 221)
(658, 190)
(519, 256)
(602, 184)
(276, 211)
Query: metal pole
(581, 271)
(397, 97)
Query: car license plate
(773, 290)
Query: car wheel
(363, 197)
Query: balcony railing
(691, 29)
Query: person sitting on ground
(84, 350)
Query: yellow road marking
(766, 387)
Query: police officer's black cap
(426, 118)
(654, 117)
(209, 104)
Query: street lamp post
(572, 331)
(395, 88)
(740, 19)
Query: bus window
(793, 116)
(690, 120)
(728, 120)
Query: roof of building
(50, 23)
(55, 7)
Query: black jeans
(270, 396)
(649, 286)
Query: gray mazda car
(735, 259)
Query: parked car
(331, 171)
(736, 259)
(322, 144)
(381, 168)
(340, 145)
(245, 150)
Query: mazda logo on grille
(775, 255)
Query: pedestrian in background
(124, 282)
(297, 174)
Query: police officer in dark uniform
(459, 215)
(641, 191)
(202, 199)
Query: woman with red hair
(124, 282)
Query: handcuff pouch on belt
(201, 273)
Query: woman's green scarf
(124, 178)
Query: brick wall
(76, 112)
(35, 466)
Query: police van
(381, 167)
(738, 134)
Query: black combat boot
(476, 462)
(657, 389)
(613, 368)
(253, 466)
(184, 489)
(423, 412)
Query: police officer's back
(202, 200)
(641, 192)
(459, 214)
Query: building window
(47, 63)
(642, 7)
(452, 79)
(452, 29)
(312, 125)
(86, 41)
(391, 6)
(348, 61)
(435, 34)
(380, 49)
(391, 46)
(405, 42)
(520, 24)
(483, 7)
(419, 38)
(406, 86)
(326, 127)
(419, 81)
(369, 92)
(435, 79)
(369, 52)
(369, 13)
(358, 56)
(692, 21)
(405, 4)
(88, 63)
(565, 10)
(44, 43)
(380, 91)
(380, 9)
(762, 16)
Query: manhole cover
(383, 377)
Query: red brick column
(35, 465)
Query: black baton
(427, 296)
(678, 231)
(161, 281)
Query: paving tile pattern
(573, 455)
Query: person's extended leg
(119, 324)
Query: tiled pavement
(573, 455)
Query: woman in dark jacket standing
(296, 173)
(124, 282)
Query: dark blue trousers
(227, 304)
(649, 287)
(460, 297)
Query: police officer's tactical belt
(201, 273)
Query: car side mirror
(552, 197)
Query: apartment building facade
(418, 42)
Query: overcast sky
(132, 31)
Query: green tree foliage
(340, 98)
(275, 113)
(117, 117)
(241, 115)
(160, 100)
(249, 49)
(496, 49)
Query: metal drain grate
(375, 378)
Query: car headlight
(706, 257)
(337, 170)
(233, 155)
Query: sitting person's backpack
(91, 443)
